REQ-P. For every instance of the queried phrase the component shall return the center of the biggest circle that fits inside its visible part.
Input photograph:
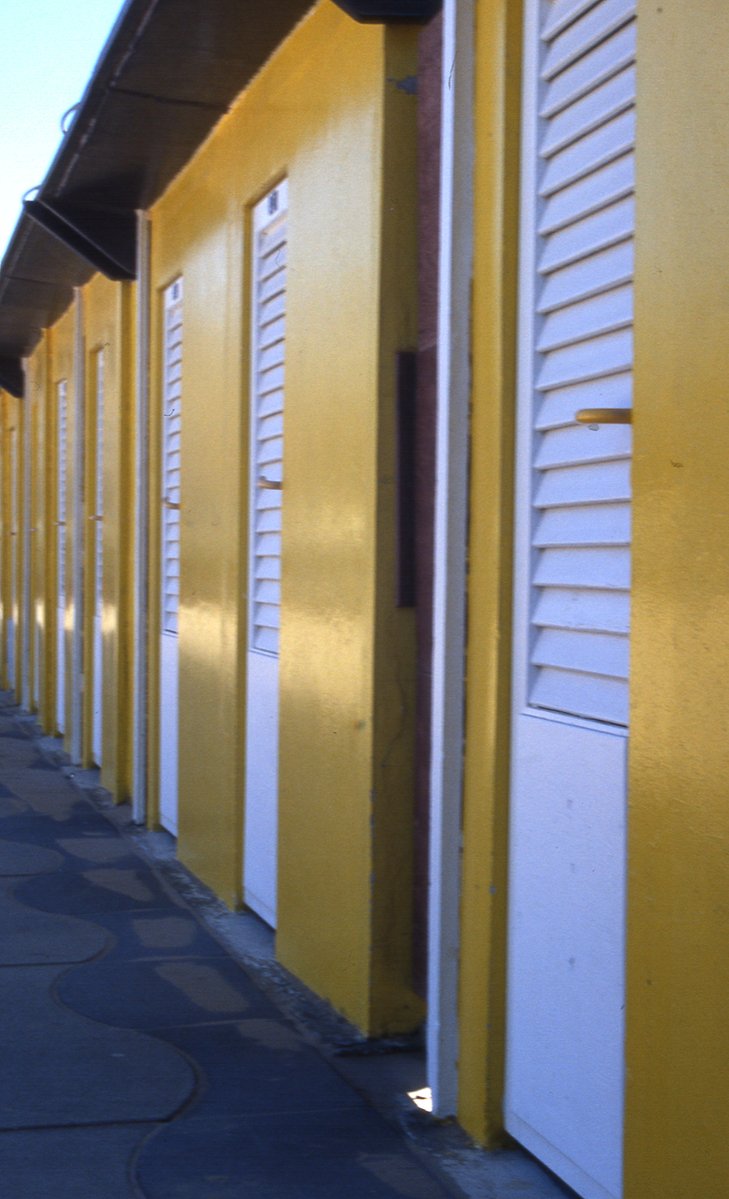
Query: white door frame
(449, 582)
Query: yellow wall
(347, 653)
(318, 113)
(678, 922)
(483, 937)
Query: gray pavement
(139, 1059)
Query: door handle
(170, 504)
(604, 416)
(269, 484)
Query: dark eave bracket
(12, 376)
(389, 12)
(105, 240)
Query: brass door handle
(269, 484)
(604, 416)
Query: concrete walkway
(137, 1057)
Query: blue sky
(48, 49)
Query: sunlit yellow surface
(678, 914)
(482, 981)
(327, 113)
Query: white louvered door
(97, 517)
(170, 551)
(61, 476)
(268, 309)
(565, 1035)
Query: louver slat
(593, 233)
(611, 353)
(590, 153)
(583, 695)
(580, 37)
(561, 14)
(558, 406)
(571, 446)
(267, 403)
(588, 277)
(584, 312)
(587, 483)
(605, 313)
(603, 567)
(589, 113)
(589, 194)
(171, 442)
(607, 524)
(588, 653)
(590, 70)
(599, 611)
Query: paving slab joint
(383, 1072)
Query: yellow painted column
(678, 910)
(485, 815)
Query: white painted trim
(77, 569)
(27, 629)
(141, 523)
(449, 584)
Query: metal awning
(170, 69)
